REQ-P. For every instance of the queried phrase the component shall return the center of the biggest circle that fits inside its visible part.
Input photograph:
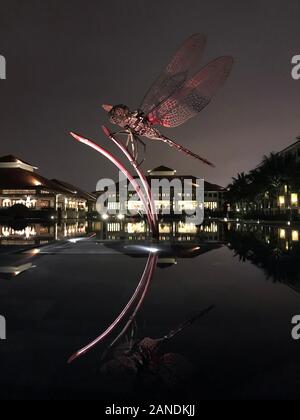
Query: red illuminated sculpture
(179, 94)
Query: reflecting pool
(211, 318)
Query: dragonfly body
(135, 125)
(180, 93)
(137, 122)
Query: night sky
(66, 58)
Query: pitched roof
(21, 176)
(13, 159)
(74, 190)
(291, 146)
(18, 178)
(213, 187)
(162, 169)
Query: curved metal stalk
(140, 174)
(148, 273)
(138, 306)
(110, 157)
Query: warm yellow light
(295, 236)
(33, 251)
(165, 228)
(282, 200)
(187, 228)
(294, 199)
(136, 227)
(282, 233)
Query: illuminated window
(6, 203)
(165, 228)
(136, 227)
(212, 228)
(187, 228)
(135, 206)
(282, 233)
(187, 205)
(294, 199)
(113, 227)
(44, 204)
(113, 206)
(211, 205)
(13, 192)
(295, 236)
(282, 200)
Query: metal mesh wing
(180, 69)
(193, 96)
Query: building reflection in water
(178, 241)
(43, 234)
(40, 234)
(169, 231)
(274, 249)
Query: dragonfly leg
(120, 133)
(135, 141)
(140, 141)
(130, 140)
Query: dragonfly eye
(118, 114)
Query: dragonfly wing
(179, 70)
(193, 96)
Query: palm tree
(240, 190)
(275, 171)
(266, 181)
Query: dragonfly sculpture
(180, 93)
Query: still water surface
(62, 285)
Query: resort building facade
(213, 198)
(272, 190)
(22, 186)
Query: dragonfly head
(118, 114)
(107, 107)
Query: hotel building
(20, 184)
(287, 202)
(214, 195)
(293, 149)
(283, 205)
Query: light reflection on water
(74, 289)
(39, 234)
(22, 234)
(274, 249)
(285, 238)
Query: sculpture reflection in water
(134, 305)
(144, 364)
(137, 298)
